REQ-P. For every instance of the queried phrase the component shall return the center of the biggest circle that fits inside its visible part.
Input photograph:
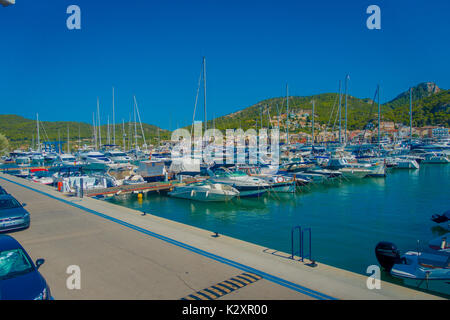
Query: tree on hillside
(4, 144)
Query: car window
(9, 204)
(14, 262)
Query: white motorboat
(355, 173)
(118, 156)
(279, 183)
(205, 191)
(435, 157)
(248, 186)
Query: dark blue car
(19, 276)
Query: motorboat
(419, 269)
(65, 160)
(133, 180)
(248, 186)
(279, 183)
(205, 191)
(436, 157)
(355, 173)
(95, 160)
(442, 219)
(118, 156)
(23, 161)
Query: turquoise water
(347, 218)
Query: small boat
(133, 179)
(426, 270)
(205, 191)
(442, 219)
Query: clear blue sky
(253, 48)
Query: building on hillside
(440, 133)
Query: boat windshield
(13, 263)
(9, 204)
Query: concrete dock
(123, 254)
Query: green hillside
(20, 131)
(430, 107)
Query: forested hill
(430, 107)
(20, 130)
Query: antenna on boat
(123, 134)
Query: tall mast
(346, 87)
(313, 104)
(204, 89)
(287, 114)
(340, 112)
(94, 130)
(410, 115)
(98, 125)
(135, 129)
(113, 119)
(379, 115)
(108, 132)
(79, 136)
(68, 146)
(123, 134)
(38, 139)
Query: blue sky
(153, 49)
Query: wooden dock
(139, 188)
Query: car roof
(6, 196)
(7, 242)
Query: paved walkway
(125, 255)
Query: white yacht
(436, 157)
(118, 156)
(248, 186)
(66, 159)
(205, 191)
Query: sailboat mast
(340, 112)
(68, 141)
(94, 130)
(123, 134)
(38, 138)
(135, 128)
(98, 125)
(379, 115)
(204, 89)
(410, 115)
(113, 119)
(346, 87)
(313, 104)
(287, 114)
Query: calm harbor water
(347, 218)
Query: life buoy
(279, 179)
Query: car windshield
(9, 204)
(13, 263)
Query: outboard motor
(387, 254)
